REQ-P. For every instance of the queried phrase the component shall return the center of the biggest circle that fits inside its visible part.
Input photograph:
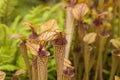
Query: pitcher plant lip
(80, 10)
(116, 52)
(104, 34)
(43, 53)
(60, 40)
(97, 22)
(69, 72)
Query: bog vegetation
(59, 40)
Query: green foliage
(42, 13)
(9, 67)
(6, 9)
(9, 52)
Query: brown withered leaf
(28, 24)
(80, 10)
(33, 48)
(17, 36)
(116, 42)
(2, 75)
(90, 37)
(25, 23)
(18, 72)
(117, 78)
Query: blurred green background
(12, 14)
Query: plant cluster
(91, 30)
(91, 41)
(37, 44)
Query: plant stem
(26, 59)
(115, 63)
(102, 42)
(78, 57)
(86, 61)
(114, 18)
(106, 52)
(116, 13)
(59, 53)
(34, 68)
(69, 30)
(118, 5)
(78, 63)
(42, 67)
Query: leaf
(18, 72)
(20, 62)
(67, 63)
(47, 36)
(49, 25)
(14, 36)
(27, 24)
(48, 31)
(90, 38)
(117, 78)
(6, 9)
(33, 48)
(8, 67)
(2, 75)
(80, 10)
(116, 42)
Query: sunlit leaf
(47, 36)
(27, 24)
(9, 67)
(80, 10)
(49, 25)
(15, 36)
(117, 78)
(2, 75)
(18, 72)
(67, 63)
(90, 38)
(48, 31)
(33, 48)
(116, 42)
